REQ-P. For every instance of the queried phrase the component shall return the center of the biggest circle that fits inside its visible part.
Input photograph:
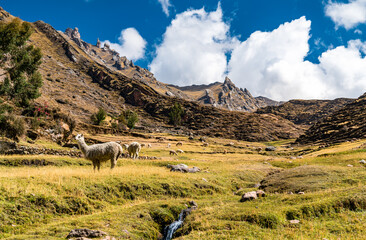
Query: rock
(349, 165)
(270, 148)
(6, 145)
(183, 168)
(84, 232)
(169, 94)
(301, 193)
(260, 193)
(362, 161)
(193, 204)
(98, 43)
(257, 185)
(249, 196)
(294, 221)
(32, 134)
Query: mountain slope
(78, 84)
(306, 112)
(345, 124)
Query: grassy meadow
(138, 198)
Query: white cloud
(358, 31)
(165, 4)
(347, 15)
(131, 44)
(193, 49)
(272, 64)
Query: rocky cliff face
(345, 124)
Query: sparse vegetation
(98, 117)
(11, 126)
(176, 114)
(128, 118)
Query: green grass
(138, 198)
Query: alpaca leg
(113, 162)
(98, 166)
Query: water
(172, 228)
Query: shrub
(11, 126)
(98, 117)
(129, 118)
(175, 114)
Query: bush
(11, 126)
(99, 117)
(129, 118)
(175, 114)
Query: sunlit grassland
(139, 197)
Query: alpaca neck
(82, 145)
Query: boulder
(249, 196)
(270, 148)
(84, 232)
(32, 134)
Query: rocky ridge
(347, 123)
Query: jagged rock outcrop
(345, 124)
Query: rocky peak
(3, 14)
(98, 43)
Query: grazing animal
(180, 151)
(143, 144)
(125, 146)
(168, 146)
(205, 144)
(99, 153)
(149, 145)
(179, 144)
(172, 152)
(134, 149)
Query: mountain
(306, 112)
(223, 95)
(345, 124)
(80, 77)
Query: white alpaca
(180, 151)
(149, 145)
(134, 149)
(99, 153)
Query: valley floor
(138, 198)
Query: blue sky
(280, 49)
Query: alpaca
(149, 145)
(134, 149)
(179, 144)
(99, 153)
(180, 151)
(125, 146)
(168, 146)
(172, 152)
(205, 144)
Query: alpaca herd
(102, 152)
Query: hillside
(305, 112)
(348, 123)
(76, 83)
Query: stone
(362, 161)
(32, 134)
(84, 232)
(270, 148)
(260, 193)
(301, 193)
(349, 165)
(249, 196)
(295, 221)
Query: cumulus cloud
(165, 4)
(131, 44)
(193, 49)
(347, 15)
(272, 64)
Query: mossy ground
(139, 197)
